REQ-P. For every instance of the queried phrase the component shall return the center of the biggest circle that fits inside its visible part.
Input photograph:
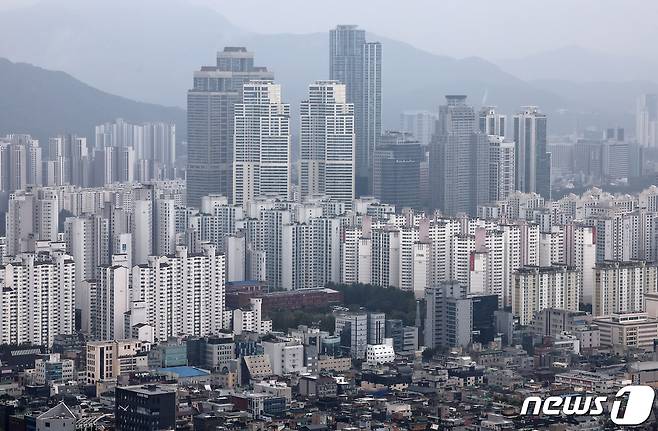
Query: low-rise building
(51, 368)
(377, 354)
(108, 359)
(627, 330)
(321, 386)
(587, 381)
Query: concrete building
(536, 288)
(251, 320)
(105, 360)
(210, 123)
(378, 354)
(193, 282)
(358, 64)
(622, 331)
(420, 124)
(327, 143)
(502, 172)
(111, 302)
(37, 291)
(646, 120)
(449, 316)
(32, 215)
(51, 368)
(143, 408)
(459, 160)
(286, 356)
(261, 151)
(620, 287)
(533, 161)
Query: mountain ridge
(44, 103)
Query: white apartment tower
(88, 242)
(184, 293)
(537, 288)
(111, 303)
(620, 287)
(501, 168)
(327, 142)
(491, 122)
(32, 215)
(646, 120)
(37, 298)
(261, 143)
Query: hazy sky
(490, 29)
(460, 28)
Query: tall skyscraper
(646, 120)
(459, 160)
(261, 143)
(327, 142)
(490, 122)
(358, 64)
(397, 170)
(210, 112)
(533, 161)
(501, 168)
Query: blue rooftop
(185, 371)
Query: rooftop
(184, 371)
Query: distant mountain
(148, 49)
(43, 103)
(574, 63)
(604, 104)
(412, 78)
(144, 50)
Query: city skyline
(341, 231)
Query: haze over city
(380, 215)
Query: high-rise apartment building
(537, 288)
(210, 121)
(261, 144)
(127, 152)
(33, 215)
(459, 160)
(327, 142)
(533, 161)
(357, 64)
(420, 124)
(620, 287)
(646, 120)
(88, 242)
(20, 162)
(492, 123)
(111, 302)
(37, 291)
(501, 168)
(184, 293)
